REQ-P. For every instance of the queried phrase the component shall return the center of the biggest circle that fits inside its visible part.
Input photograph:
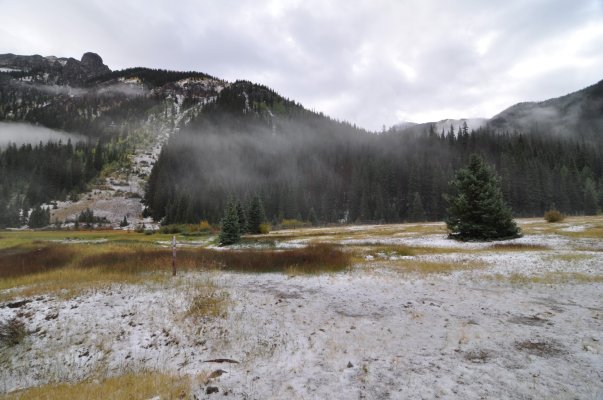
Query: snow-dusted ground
(374, 332)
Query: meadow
(380, 311)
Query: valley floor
(521, 319)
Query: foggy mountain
(578, 113)
(237, 140)
(440, 127)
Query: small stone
(211, 389)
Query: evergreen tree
(242, 218)
(124, 222)
(312, 217)
(255, 215)
(417, 212)
(230, 233)
(39, 217)
(590, 197)
(477, 209)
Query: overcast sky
(373, 63)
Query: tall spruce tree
(416, 212)
(477, 209)
(255, 215)
(242, 218)
(230, 232)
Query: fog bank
(23, 133)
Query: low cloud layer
(372, 63)
(23, 133)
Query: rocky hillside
(139, 106)
(53, 70)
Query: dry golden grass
(207, 301)
(67, 270)
(69, 282)
(593, 227)
(434, 267)
(314, 259)
(129, 386)
(391, 250)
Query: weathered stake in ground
(174, 255)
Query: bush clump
(265, 228)
(553, 215)
(12, 332)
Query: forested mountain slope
(253, 141)
(118, 111)
(236, 140)
(578, 114)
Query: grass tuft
(207, 301)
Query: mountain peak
(94, 63)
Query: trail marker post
(174, 255)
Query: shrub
(204, 226)
(171, 229)
(12, 332)
(553, 215)
(265, 228)
(230, 232)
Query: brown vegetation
(138, 259)
(553, 216)
(23, 260)
(12, 332)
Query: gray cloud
(370, 62)
(22, 133)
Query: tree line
(305, 165)
(34, 174)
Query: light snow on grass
(491, 324)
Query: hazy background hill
(578, 114)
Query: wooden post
(174, 255)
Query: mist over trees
(32, 175)
(241, 140)
(304, 165)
